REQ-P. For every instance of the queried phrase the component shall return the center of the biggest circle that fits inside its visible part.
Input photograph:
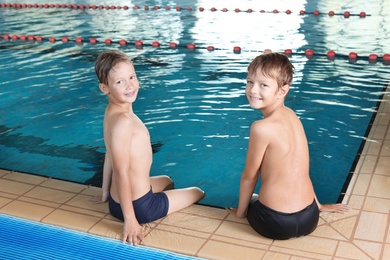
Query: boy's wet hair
(274, 65)
(106, 61)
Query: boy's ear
(283, 90)
(104, 88)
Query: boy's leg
(182, 198)
(160, 183)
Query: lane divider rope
(346, 14)
(309, 53)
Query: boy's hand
(98, 199)
(339, 208)
(233, 211)
(132, 233)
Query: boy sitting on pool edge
(278, 153)
(133, 196)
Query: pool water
(192, 101)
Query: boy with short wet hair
(133, 196)
(278, 153)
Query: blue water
(24, 239)
(193, 102)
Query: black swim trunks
(278, 225)
(148, 208)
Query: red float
(155, 44)
(352, 55)
(386, 57)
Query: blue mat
(24, 239)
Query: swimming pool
(192, 101)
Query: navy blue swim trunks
(278, 225)
(148, 208)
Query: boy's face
(123, 84)
(261, 91)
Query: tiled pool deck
(211, 233)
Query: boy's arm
(107, 173)
(256, 150)
(121, 139)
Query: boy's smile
(261, 90)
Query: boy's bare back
(284, 171)
(128, 134)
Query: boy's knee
(170, 184)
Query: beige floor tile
(174, 242)
(220, 250)
(242, 232)
(63, 185)
(279, 256)
(370, 248)
(4, 201)
(205, 211)
(241, 242)
(374, 148)
(378, 132)
(108, 228)
(377, 205)
(14, 187)
(71, 220)
(350, 251)
(383, 166)
(327, 231)
(26, 210)
(345, 226)
(386, 252)
(388, 235)
(84, 201)
(53, 205)
(183, 231)
(371, 226)
(192, 222)
(379, 187)
(369, 164)
(361, 184)
(356, 201)
(4, 172)
(92, 191)
(25, 178)
(310, 244)
(83, 211)
(351, 185)
(301, 254)
(50, 194)
(8, 195)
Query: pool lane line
(346, 14)
(139, 44)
